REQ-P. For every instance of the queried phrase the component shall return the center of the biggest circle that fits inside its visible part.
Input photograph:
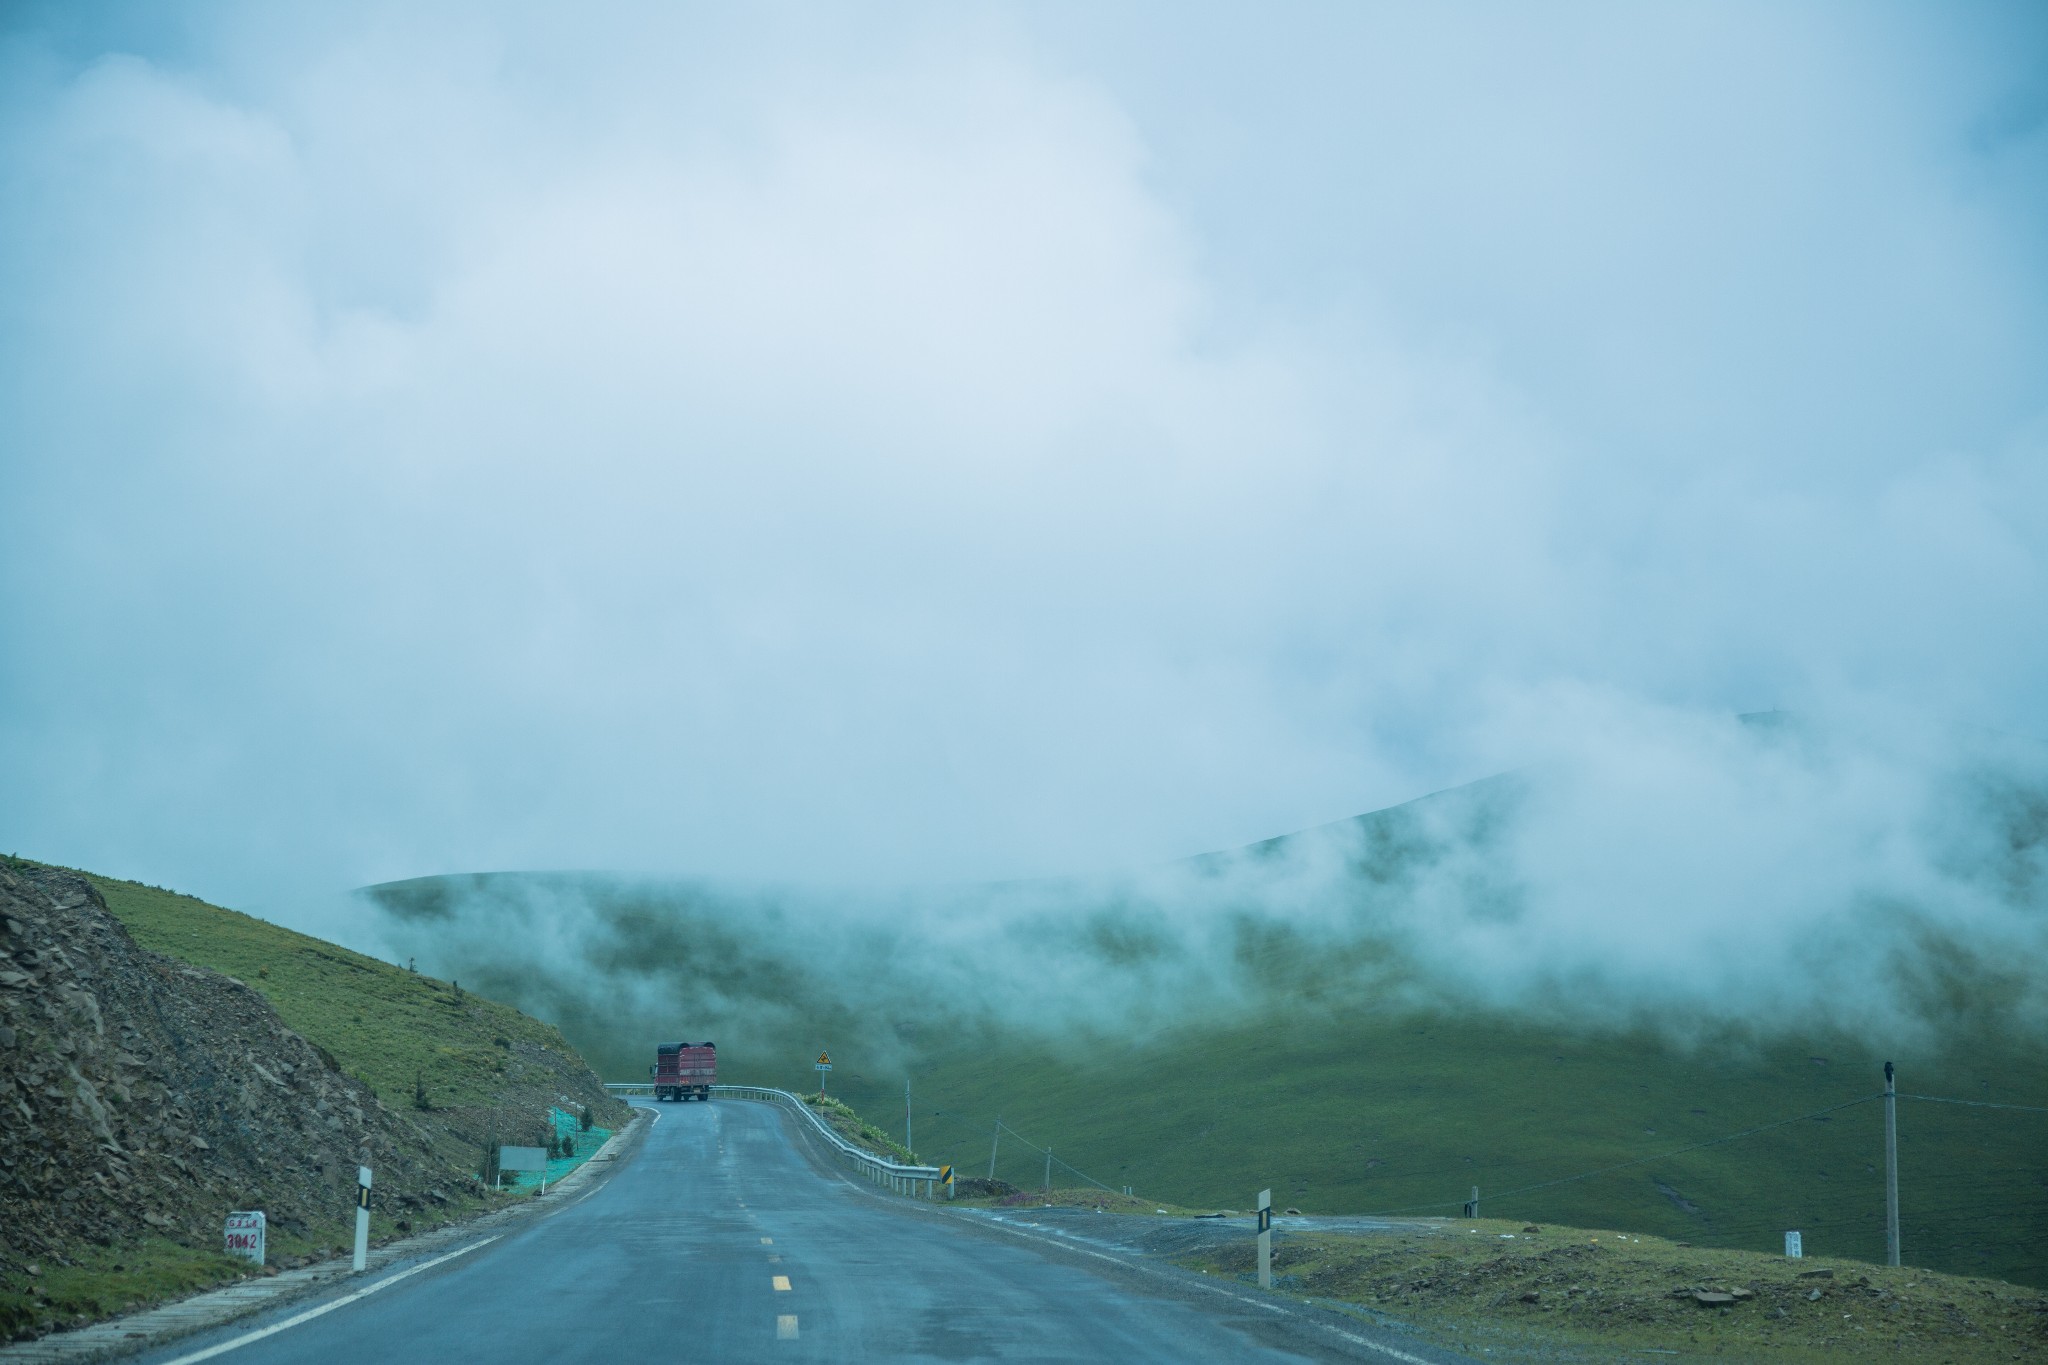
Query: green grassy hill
(1343, 1103)
(1303, 1070)
(1364, 1112)
(391, 1028)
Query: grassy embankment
(1520, 1295)
(1527, 1292)
(843, 1120)
(399, 1032)
(1540, 1293)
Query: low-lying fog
(943, 445)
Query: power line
(1977, 1104)
(1055, 1160)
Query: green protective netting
(583, 1143)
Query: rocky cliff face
(139, 1094)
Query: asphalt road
(724, 1237)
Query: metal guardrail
(900, 1178)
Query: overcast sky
(975, 440)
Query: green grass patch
(1363, 1111)
(391, 1028)
(844, 1121)
(109, 1280)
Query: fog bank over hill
(955, 442)
(1764, 875)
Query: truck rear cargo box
(684, 1071)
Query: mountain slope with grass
(1185, 1038)
(1349, 1102)
(170, 1061)
(1359, 1111)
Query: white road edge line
(224, 1347)
(1392, 1352)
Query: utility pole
(994, 1143)
(908, 1145)
(1048, 1170)
(1891, 1168)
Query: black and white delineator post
(1891, 1168)
(362, 1218)
(1265, 1239)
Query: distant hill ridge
(1316, 1062)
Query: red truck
(684, 1071)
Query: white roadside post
(1265, 1239)
(362, 1218)
(1793, 1250)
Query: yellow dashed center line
(767, 1241)
(782, 1283)
(785, 1327)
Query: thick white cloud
(969, 442)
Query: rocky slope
(143, 1097)
(139, 1093)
